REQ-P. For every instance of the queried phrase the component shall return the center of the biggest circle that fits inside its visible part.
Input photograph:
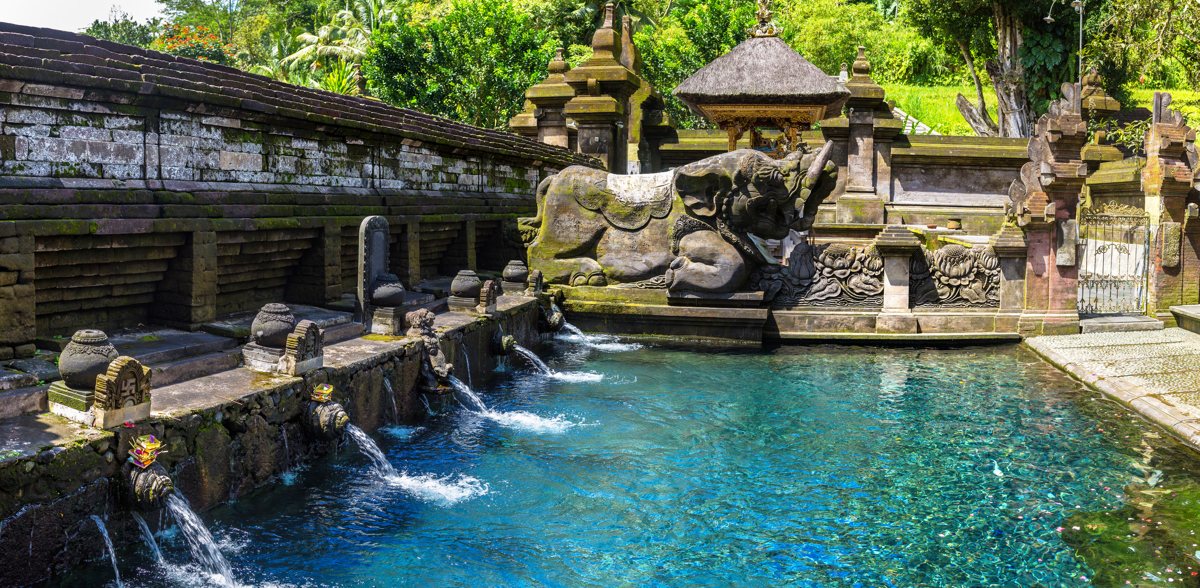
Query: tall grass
(934, 106)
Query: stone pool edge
(1183, 428)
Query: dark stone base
(459, 304)
(730, 325)
(513, 288)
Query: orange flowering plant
(195, 42)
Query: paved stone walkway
(1156, 373)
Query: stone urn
(273, 325)
(515, 271)
(466, 285)
(387, 291)
(85, 357)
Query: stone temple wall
(138, 187)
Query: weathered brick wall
(139, 187)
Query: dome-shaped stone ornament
(272, 325)
(515, 271)
(466, 285)
(388, 291)
(464, 292)
(85, 357)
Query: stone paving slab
(25, 435)
(1156, 373)
(238, 325)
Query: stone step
(1187, 316)
(190, 368)
(237, 326)
(14, 403)
(1118, 324)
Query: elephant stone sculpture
(699, 228)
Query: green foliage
(828, 33)
(121, 28)
(195, 42)
(1049, 59)
(473, 64)
(341, 78)
(687, 40)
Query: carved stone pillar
(897, 245)
(1044, 202)
(1167, 179)
(1010, 246)
(868, 152)
(412, 236)
(602, 86)
(187, 296)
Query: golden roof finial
(764, 28)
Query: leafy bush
(121, 28)
(472, 64)
(194, 42)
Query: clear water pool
(797, 466)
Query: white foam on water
(519, 420)
(575, 377)
(200, 542)
(445, 490)
(529, 422)
(606, 343)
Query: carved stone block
(388, 322)
(261, 359)
(374, 235)
(305, 350)
(488, 296)
(1068, 243)
(1172, 237)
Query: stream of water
(542, 368)
(112, 554)
(148, 536)
(200, 542)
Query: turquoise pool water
(796, 466)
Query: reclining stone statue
(699, 228)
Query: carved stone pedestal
(261, 359)
(122, 394)
(387, 321)
(461, 304)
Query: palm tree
(592, 11)
(346, 34)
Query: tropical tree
(121, 28)
(472, 64)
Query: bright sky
(72, 15)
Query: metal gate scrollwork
(1114, 259)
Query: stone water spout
(322, 418)
(147, 480)
(550, 318)
(435, 370)
(503, 344)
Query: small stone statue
(434, 368)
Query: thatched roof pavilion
(763, 83)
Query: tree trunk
(979, 120)
(977, 117)
(1008, 74)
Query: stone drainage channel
(66, 492)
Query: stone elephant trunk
(699, 228)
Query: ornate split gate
(1114, 259)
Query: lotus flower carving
(955, 275)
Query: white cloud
(72, 15)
